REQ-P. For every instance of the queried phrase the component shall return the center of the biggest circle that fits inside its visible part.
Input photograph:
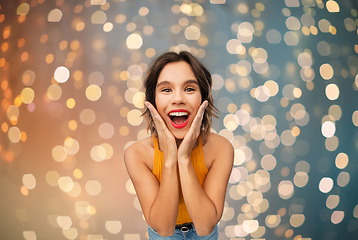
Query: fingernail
(146, 103)
(206, 103)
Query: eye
(190, 89)
(165, 90)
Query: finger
(200, 114)
(158, 121)
(196, 125)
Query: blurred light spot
(287, 138)
(285, 189)
(64, 222)
(326, 71)
(93, 187)
(99, 17)
(54, 92)
(254, 198)
(14, 134)
(106, 130)
(134, 41)
(29, 181)
(65, 184)
(131, 236)
(24, 191)
(326, 184)
(52, 178)
(27, 95)
(272, 86)
(93, 92)
(96, 78)
(231, 122)
(28, 77)
(262, 93)
(273, 36)
(296, 220)
(355, 118)
(337, 217)
(75, 191)
(268, 162)
(87, 116)
(113, 227)
(332, 91)
(331, 143)
(61, 74)
(332, 6)
(98, 2)
(324, 49)
(355, 211)
(12, 113)
(70, 103)
(335, 111)
(302, 166)
(343, 179)
(109, 150)
(272, 221)
(217, 1)
(291, 38)
(70, 233)
(293, 23)
(55, 15)
(130, 188)
(23, 9)
(108, 26)
(328, 129)
(300, 179)
(77, 173)
(350, 24)
(324, 25)
(71, 145)
(134, 117)
(332, 201)
(98, 153)
(341, 160)
(192, 33)
(305, 59)
(29, 235)
(250, 226)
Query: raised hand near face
(165, 137)
(191, 137)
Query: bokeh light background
(285, 82)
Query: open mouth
(179, 118)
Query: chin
(179, 134)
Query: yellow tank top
(198, 162)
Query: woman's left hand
(191, 137)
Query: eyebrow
(186, 82)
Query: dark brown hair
(202, 75)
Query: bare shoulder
(217, 142)
(218, 148)
(139, 152)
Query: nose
(178, 98)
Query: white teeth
(178, 114)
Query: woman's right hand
(165, 137)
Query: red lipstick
(179, 113)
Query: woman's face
(177, 97)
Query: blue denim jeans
(181, 235)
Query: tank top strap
(155, 142)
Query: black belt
(184, 227)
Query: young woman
(181, 172)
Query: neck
(178, 142)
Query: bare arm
(159, 202)
(205, 204)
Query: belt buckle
(184, 229)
